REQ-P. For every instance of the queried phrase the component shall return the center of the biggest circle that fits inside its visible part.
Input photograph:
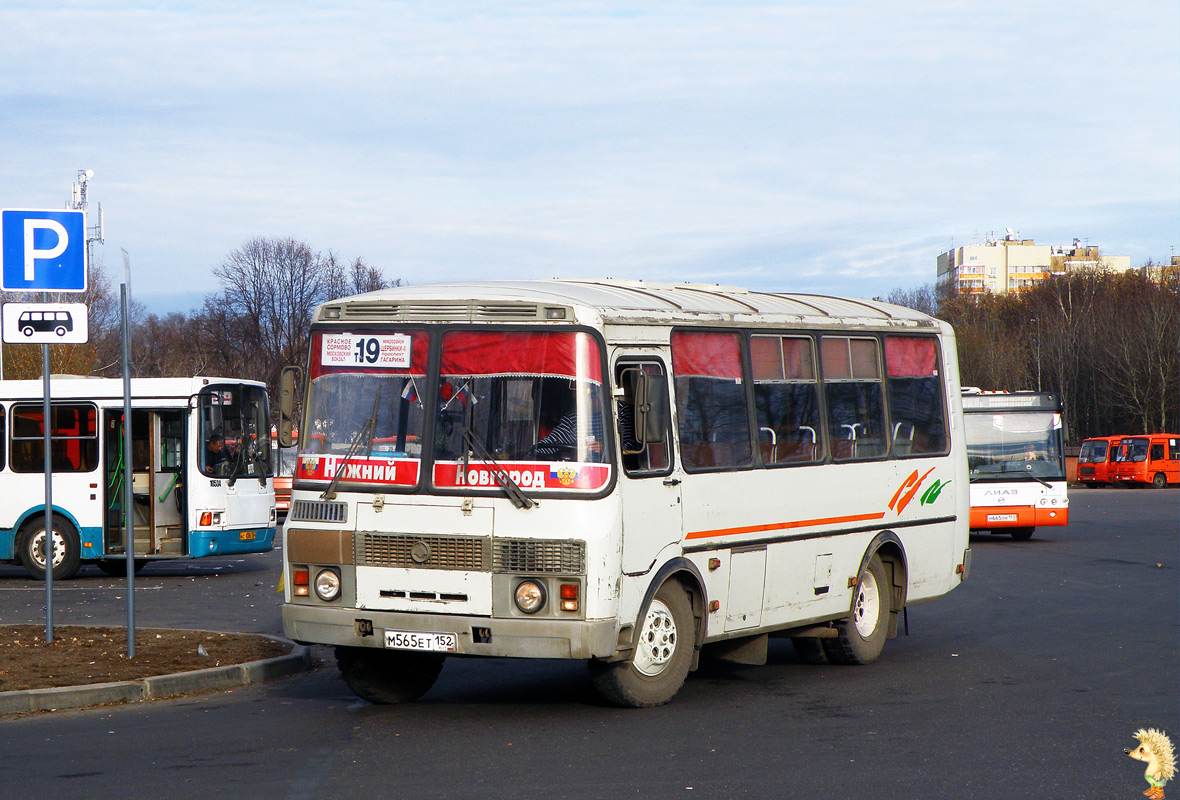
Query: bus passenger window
(852, 385)
(786, 399)
(74, 438)
(917, 412)
(710, 400)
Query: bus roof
(65, 387)
(611, 301)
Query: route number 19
(367, 350)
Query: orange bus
(1153, 458)
(1096, 460)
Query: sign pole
(129, 489)
(47, 426)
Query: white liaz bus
(625, 472)
(1016, 459)
(201, 471)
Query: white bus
(1017, 461)
(201, 472)
(623, 472)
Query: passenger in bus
(215, 454)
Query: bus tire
(388, 677)
(661, 658)
(860, 637)
(1160, 481)
(117, 567)
(67, 549)
(1020, 534)
(810, 650)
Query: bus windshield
(508, 400)
(1092, 452)
(235, 425)
(1001, 445)
(1132, 449)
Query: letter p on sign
(43, 250)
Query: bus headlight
(327, 585)
(529, 596)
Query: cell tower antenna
(79, 203)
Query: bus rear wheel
(388, 677)
(67, 549)
(860, 637)
(1021, 534)
(660, 661)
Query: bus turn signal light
(569, 597)
(300, 581)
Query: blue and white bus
(201, 471)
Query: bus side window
(852, 385)
(786, 399)
(641, 458)
(917, 412)
(710, 401)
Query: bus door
(650, 481)
(157, 480)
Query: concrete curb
(159, 686)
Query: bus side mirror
(289, 379)
(651, 408)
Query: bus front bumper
(477, 636)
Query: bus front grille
(422, 551)
(471, 553)
(539, 557)
(318, 511)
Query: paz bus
(190, 498)
(1096, 460)
(1152, 459)
(1016, 460)
(630, 473)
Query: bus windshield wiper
(1037, 478)
(368, 430)
(503, 479)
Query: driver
(215, 454)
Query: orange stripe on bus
(776, 526)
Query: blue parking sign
(43, 251)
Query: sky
(834, 147)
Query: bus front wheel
(388, 677)
(1159, 481)
(661, 658)
(861, 636)
(67, 556)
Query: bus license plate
(1001, 517)
(247, 536)
(429, 641)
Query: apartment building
(1011, 264)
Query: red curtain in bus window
(910, 357)
(567, 355)
(419, 350)
(706, 355)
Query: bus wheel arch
(67, 547)
(666, 642)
